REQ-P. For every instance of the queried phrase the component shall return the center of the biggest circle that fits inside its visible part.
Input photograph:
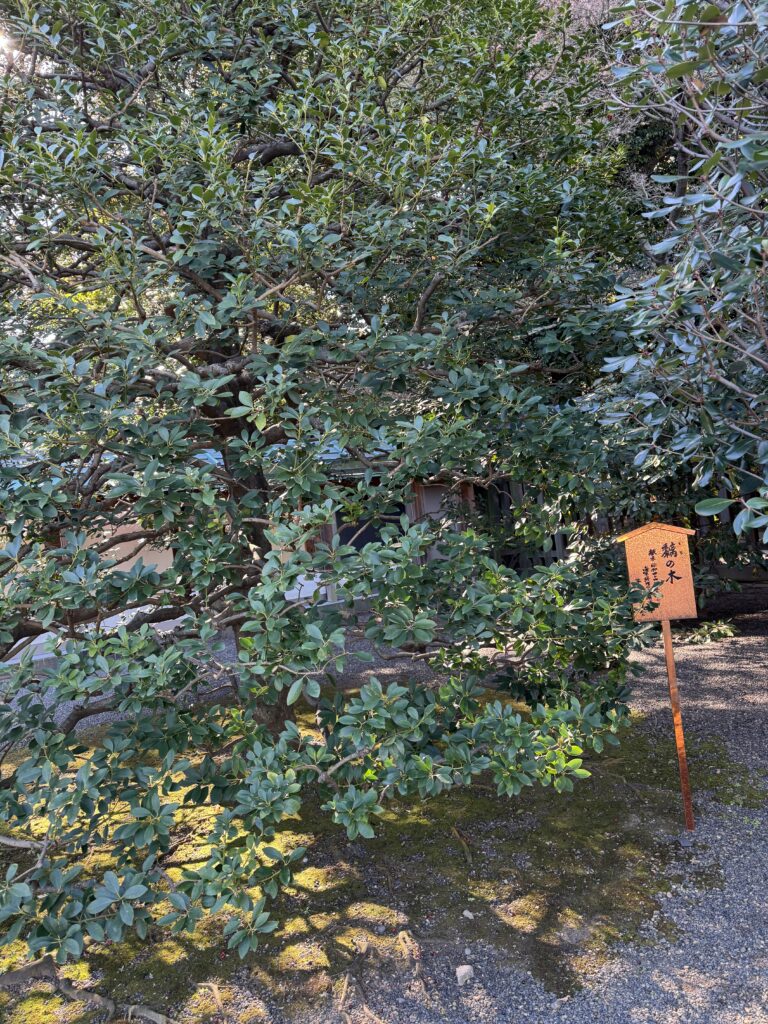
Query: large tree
(694, 364)
(263, 267)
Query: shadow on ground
(548, 881)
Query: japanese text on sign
(657, 556)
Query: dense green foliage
(244, 250)
(264, 267)
(695, 366)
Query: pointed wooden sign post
(659, 554)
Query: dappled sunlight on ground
(548, 880)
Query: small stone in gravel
(469, 915)
(464, 974)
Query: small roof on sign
(655, 526)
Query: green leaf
(99, 904)
(712, 506)
(135, 892)
(295, 691)
(682, 69)
(726, 262)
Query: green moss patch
(43, 1006)
(551, 881)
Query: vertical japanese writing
(658, 561)
(669, 554)
(654, 566)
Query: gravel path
(716, 970)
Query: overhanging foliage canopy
(242, 243)
(695, 370)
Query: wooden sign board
(657, 553)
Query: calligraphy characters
(669, 557)
(650, 572)
(659, 561)
(654, 571)
(669, 553)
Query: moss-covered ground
(549, 880)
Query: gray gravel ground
(716, 970)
